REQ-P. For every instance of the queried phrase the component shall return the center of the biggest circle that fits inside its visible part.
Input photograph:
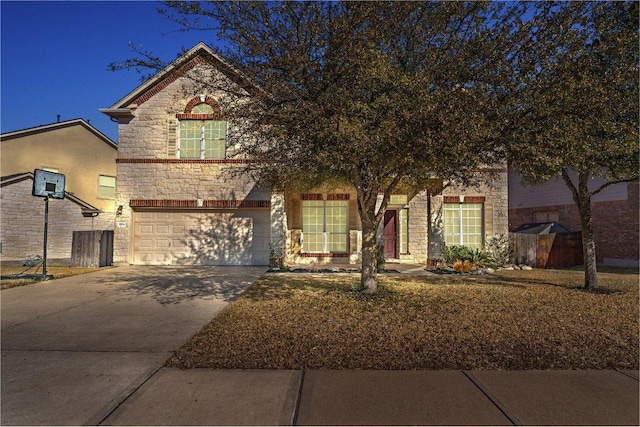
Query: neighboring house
(22, 228)
(75, 149)
(184, 202)
(615, 215)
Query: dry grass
(57, 272)
(512, 320)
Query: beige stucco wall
(75, 151)
(22, 228)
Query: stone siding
(418, 229)
(147, 169)
(494, 188)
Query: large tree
(574, 111)
(377, 95)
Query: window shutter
(172, 139)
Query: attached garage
(215, 237)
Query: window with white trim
(107, 187)
(325, 226)
(463, 224)
(202, 139)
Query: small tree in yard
(377, 95)
(575, 104)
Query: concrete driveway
(75, 348)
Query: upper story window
(202, 132)
(107, 186)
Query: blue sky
(54, 57)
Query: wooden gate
(92, 248)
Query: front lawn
(536, 319)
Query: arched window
(202, 131)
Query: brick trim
(168, 80)
(467, 199)
(209, 204)
(190, 116)
(202, 161)
(338, 196)
(197, 100)
(490, 170)
(322, 255)
(311, 196)
(319, 196)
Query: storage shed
(546, 245)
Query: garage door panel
(146, 244)
(145, 229)
(234, 237)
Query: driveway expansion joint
(125, 398)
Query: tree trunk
(582, 199)
(588, 246)
(369, 274)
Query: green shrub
(475, 257)
(499, 250)
(451, 254)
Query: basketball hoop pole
(44, 247)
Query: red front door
(389, 234)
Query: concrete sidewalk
(88, 350)
(268, 397)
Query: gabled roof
(18, 177)
(59, 125)
(187, 61)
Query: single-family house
(180, 198)
(615, 213)
(86, 158)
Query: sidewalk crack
(298, 398)
(496, 402)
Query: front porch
(324, 228)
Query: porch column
(277, 244)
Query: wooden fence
(554, 250)
(92, 248)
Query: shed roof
(541, 228)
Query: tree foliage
(372, 94)
(574, 104)
(389, 95)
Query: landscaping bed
(539, 319)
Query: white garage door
(221, 237)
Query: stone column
(277, 244)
